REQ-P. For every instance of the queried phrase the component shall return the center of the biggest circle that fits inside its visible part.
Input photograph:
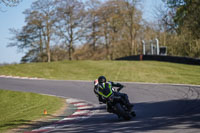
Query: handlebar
(119, 89)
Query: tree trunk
(70, 50)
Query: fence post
(143, 44)
(157, 45)
(141, 57)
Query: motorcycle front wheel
(121, 112)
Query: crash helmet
(102, 79)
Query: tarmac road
(160, 108)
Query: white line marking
(71, 100)
(18, 77)
(43, 128)
(86, 107)
(81, 112)
(80, 104)
(72, 118)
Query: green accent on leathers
(105, 91)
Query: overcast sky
(13, 18)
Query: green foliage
(133, 71)
(186, 16)
(182, 27)
(19, 108)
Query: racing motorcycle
(115, 104)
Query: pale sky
(14, 18)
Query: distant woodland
(58, 30)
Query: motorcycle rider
(104, 89)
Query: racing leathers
(104, 90)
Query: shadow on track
(164, 115)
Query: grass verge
(132, 71)
(19, 108)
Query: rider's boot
(109, 109)
(133, 113)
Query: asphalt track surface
(160, 108)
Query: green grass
(132, 71)
(17, 108)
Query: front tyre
(121, 112)
(133, 113)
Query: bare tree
(10, 3)
(37, 35)
(132, 20)
(92, 22)
(70, 14)
(46, 16)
